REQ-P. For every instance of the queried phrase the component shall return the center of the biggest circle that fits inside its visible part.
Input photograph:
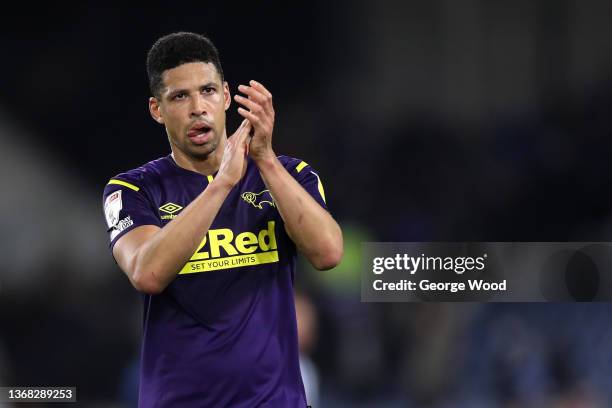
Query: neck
(205, 166)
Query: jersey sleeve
(126, 207)
(308, 178)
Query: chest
(248, 205)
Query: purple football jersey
(224, 332)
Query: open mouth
(200, 134)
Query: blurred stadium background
(438, 120)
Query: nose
(198, 106)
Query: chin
(202, 152)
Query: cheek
(220, 119)
(173, 129)
(172, 122)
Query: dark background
(427, 121)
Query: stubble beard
(203, 152)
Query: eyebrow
(209, 84)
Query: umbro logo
(170, 209)
(258, 199)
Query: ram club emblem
(258, 199)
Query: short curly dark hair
(175, 49)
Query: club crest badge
(258, 200)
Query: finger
(245, 126)
(237, 137)
(250, 104)
(239, 129)
(230, 143)
(262, 89)
(260, 94)
(253, 94)
(244, 132)
(254, 119)
(242, 140)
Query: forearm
(313, 230)
(310, 226)
(162, 256)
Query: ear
(226, 95)
(155, 111)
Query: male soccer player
(209, 234)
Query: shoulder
(293, 164)
(306, 175)
(141, 178)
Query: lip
(201, 137)
(196, 127)
(200, 133)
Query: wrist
(221, 185)
(266, 161)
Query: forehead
(190, 75)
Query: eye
(179, 96)
(208, 90)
